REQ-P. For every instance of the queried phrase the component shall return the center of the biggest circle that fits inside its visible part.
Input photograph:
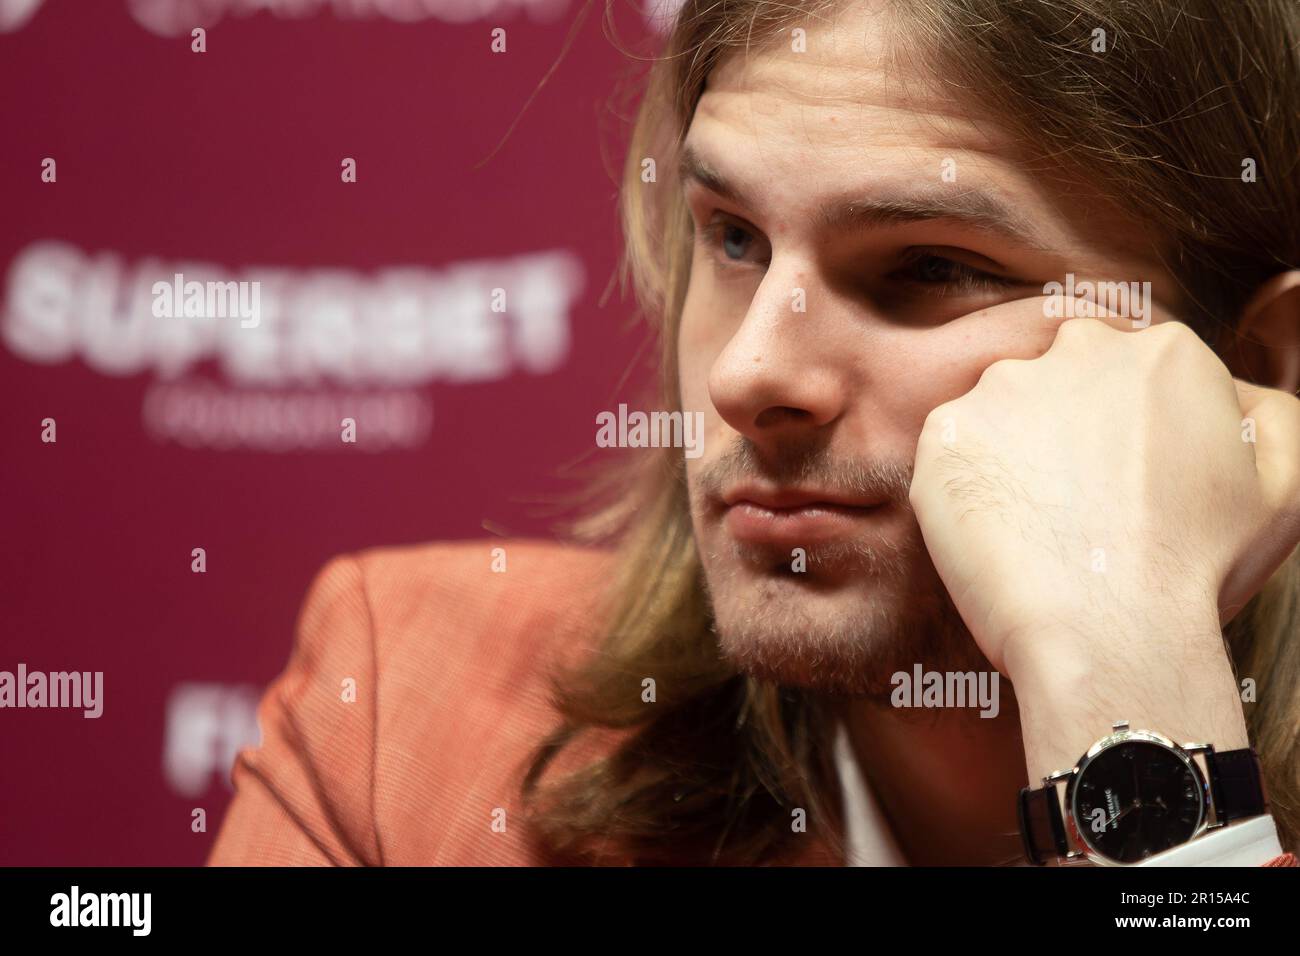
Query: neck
(946, 779)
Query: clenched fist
(1097, 512)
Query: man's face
(816, 346)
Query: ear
(1266, 350)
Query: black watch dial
(1135, 799)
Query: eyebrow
(970, 207)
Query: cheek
(701, 337)
(937, 365)
(693, 375)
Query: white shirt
(870, 842)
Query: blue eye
(727, 240)
(927, 267)
(935, 269)
(733, 241)
(730, 243)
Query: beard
(862, 610)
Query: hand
(1095, 515)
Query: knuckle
(1284, 409)
(1173, 328)
(930, 441)
(934, 420)
(1280, 406)
(1177, 342)
(914, 489)
(1079, 328)
(1002, 372)
(1176, 336)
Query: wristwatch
(1134, 794)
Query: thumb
(1271, 419)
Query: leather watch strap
(1041, 826)
(1237, 784)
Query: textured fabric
(400, 729)
(1249, 842)
(867, 836)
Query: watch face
(1135, 799)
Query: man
(886, 244)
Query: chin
(843, 627)
(827, 633)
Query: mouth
(793, 517)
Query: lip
(793, 517)
(776, 499)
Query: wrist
(1110, 641)
(1069, 696)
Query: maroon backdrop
(376, 299)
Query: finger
(1271, 419)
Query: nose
(782, 374)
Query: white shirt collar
(869, 840)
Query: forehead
(846, 94)
(854, 76)
(859, 111)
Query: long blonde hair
(1161, 120)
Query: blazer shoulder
(464, 639)
(511, 583)
(411, 667)
(442, 613)
(303, 794)
(479, 567)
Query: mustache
(808, 465)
